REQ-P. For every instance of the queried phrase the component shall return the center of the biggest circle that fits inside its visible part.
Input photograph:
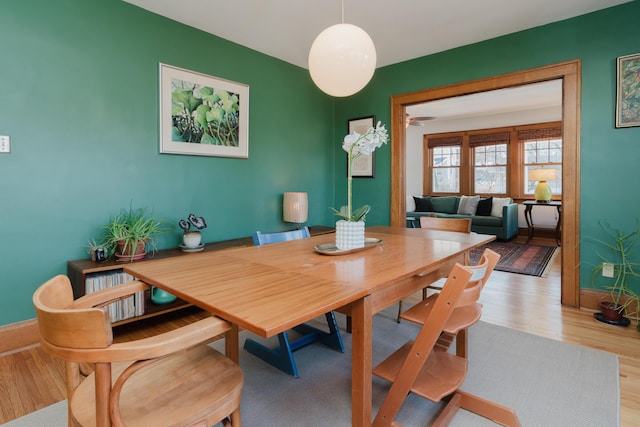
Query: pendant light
(342, 59)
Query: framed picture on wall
(202, 115)
(363, 166)
(628, 91)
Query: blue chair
(282, 356)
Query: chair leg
(399, 311)
(236, 420)
(334, 338)
(485, 408)
(461, 343)
(281, 357)
(310, 334)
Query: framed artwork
(363, 166)
(628, 91)
(202, 115)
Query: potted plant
(622, 298)
(130, 232)
(96, 250)
(350, 228)
(192, 238)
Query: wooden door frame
(570, 73)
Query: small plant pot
(610, 311)
(191, 239)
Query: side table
(528, 207)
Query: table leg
(527, 217)
(361, 362)
(231, 343)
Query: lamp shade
(542, 174)
(295, 207)
(342, 60)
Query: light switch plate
(607, 270)
(5, 144)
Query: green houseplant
(131, 231)
(622, 298)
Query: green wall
(79, 98)
(608, 156)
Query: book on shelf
(122, 309)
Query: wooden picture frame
(202, 115)
(628, 95)
(363, 166)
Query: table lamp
(295, 207)
(542, 192)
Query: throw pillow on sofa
(497, 204)
(445, 204)
(468, 205)
(484, 207)
(423, 204)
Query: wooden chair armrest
(109, 295)
(157, 346)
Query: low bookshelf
(82, 272)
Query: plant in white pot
(192, 238)
(130, 231)
(350, 228)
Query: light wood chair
(461, 225)
(423, 368)
(462, 317)
(282, 356)
(170, 379)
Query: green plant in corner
(625, 270)
(131, 226)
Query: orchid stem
(349, 179)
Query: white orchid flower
(357, 145)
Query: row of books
(123, 309)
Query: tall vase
(349, 235)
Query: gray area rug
(548, 383)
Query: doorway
(569, 73)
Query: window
(445, 164)
(446, 169)
(542, 148)
(490, 162)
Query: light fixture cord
(343, 11)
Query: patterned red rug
(518, 258)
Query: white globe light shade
(342, 60)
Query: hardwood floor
(31, 380)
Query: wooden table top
(269, 289)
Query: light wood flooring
(31, 380)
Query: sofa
(489, 215)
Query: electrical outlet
(5, 144)
(607, 270)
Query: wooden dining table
(269, 289)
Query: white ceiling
(400, 29)
(535, 96)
